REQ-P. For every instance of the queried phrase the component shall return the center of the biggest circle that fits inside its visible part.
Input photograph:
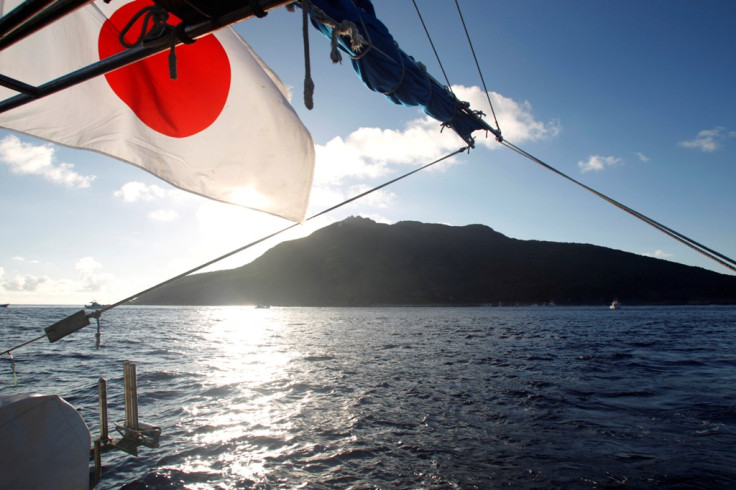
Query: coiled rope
(157, 17)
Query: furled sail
(384, 67)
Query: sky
(634, 99)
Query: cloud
(642, 157)
(138, 191)
(516, 120)
(24, 283)
(598, 163)
(27, 158)
(92, 279)
(163, 215)
(21, 283)
(659, 254)
(708, 140)
(344, 164)
(32, 288)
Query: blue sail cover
(385, 68)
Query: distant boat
(262, 307)
(615, 305)
(5, 305)
(94, 305)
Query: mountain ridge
(358, 262)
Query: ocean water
(545, 397)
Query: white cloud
(658, 254)
(27, 158)
(642, 157)
(378, 199)
(372, 153)
(23, 283)
(163, 215)
(516, 120)
(29, 288)
(708, 140)
(138, 191)
(92, 279)
(598, 163)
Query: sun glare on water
(243, 361)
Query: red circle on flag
(176, 108)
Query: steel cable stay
(480, 72)
(431, 43)
(497, 132)
(698, 247)
(81, 319)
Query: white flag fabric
(223, 129)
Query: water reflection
(412, 397)
(240, 356)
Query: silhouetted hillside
(359, 262)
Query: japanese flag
(222, 129)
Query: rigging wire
(480, 72)
(475, 59)
(96, 314)
(698, 247)
(712, 254)
(431, 43)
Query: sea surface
(322, 398)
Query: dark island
(358, 262)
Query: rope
(21, 345)
(475, 58)
(98, 335)
(698, 247)
(177, 34)
(159, 17)
(354, 198)
(15, 375)
(431, 43)
(351, 31)
(98, 313)
(344, 28)
(257, 10)
(702, 249)
(459, 106)
(308, 82)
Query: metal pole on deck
(131, 395)
(102, 395)
(104, 438)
